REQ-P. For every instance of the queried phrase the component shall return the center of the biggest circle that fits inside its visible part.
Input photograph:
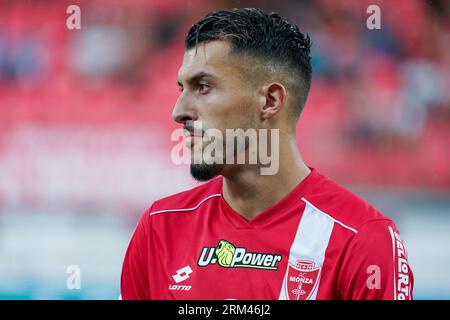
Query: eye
(203, 88)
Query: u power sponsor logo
(228, 255)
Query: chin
(205, 172)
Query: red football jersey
(319, 242)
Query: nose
(183, 110)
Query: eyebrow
(195, 78)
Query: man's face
(213, 93)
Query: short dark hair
(259, 34)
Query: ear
(275, 98)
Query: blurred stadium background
(85, 123)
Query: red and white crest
(301, 280)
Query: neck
(250, 193)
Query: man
(292, 234)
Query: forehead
(211, 57)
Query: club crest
(301, 280)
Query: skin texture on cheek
(227, 108)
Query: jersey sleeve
(134, 283)
(375, 266)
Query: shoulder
(343, 206)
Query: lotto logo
(182, 274)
